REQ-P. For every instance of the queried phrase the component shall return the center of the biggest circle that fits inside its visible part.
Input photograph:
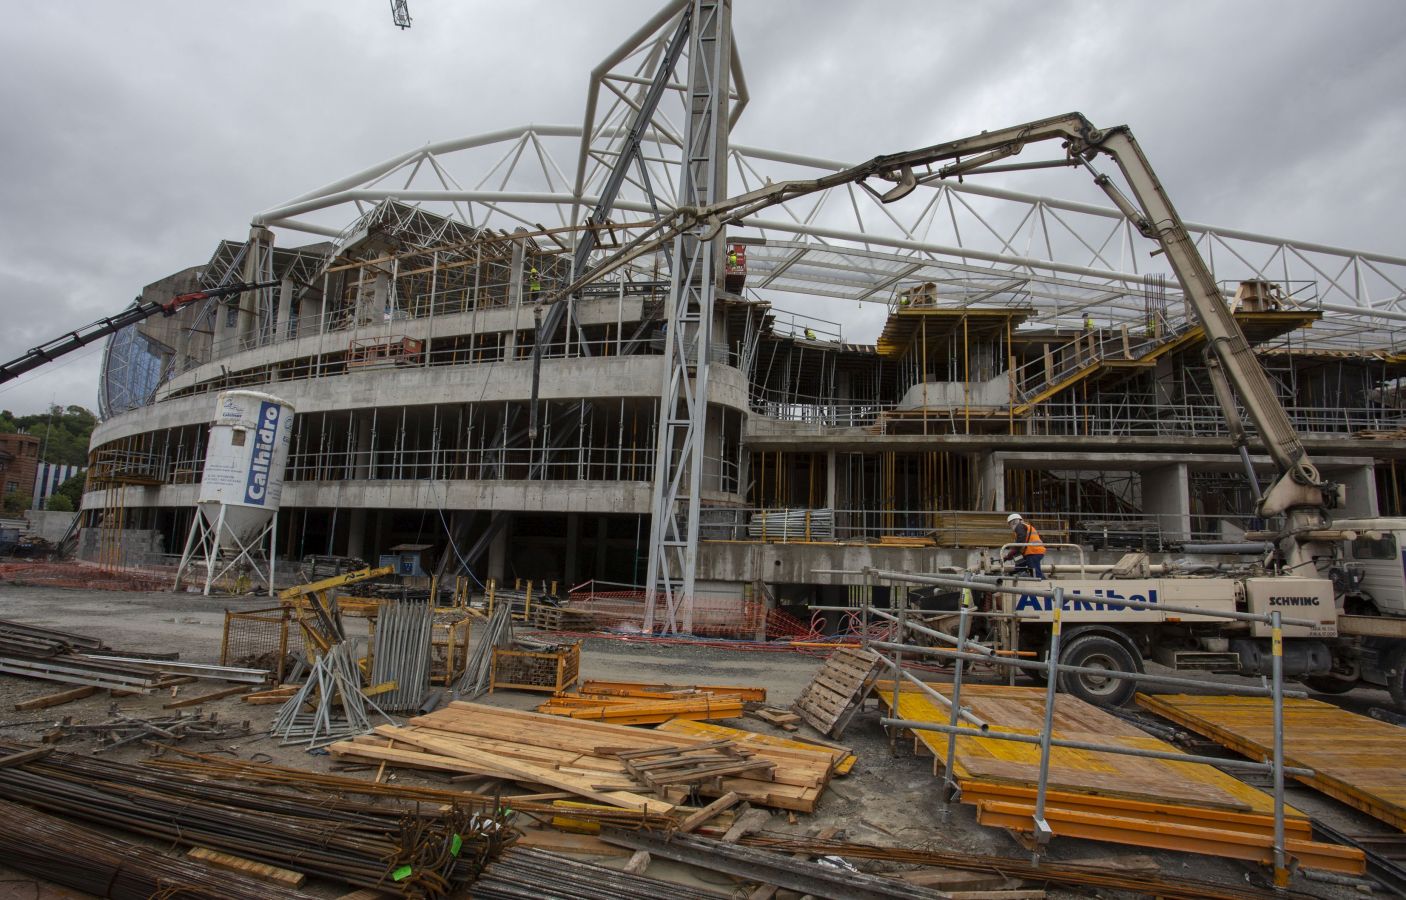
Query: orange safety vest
(1032, 537)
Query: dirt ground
(887, 799)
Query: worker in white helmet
(1029, 547)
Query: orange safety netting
(79, 575)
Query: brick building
(19, 460)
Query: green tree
(71, 490)
(63, 433)
(58, 503)
(17, 503)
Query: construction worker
(810, 335)
(1030, 548)
(732, 258)
(1088, 323)
(534, 284)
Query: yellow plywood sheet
(993, 764)
(1355, 759)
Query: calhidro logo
(257, 488)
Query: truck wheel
(1396, 679)
(1097, 651)
(1328, 684)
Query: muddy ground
(887, 799)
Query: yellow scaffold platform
(1191, 807)
(1355, 759)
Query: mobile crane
(67, 343)
(1317, 571)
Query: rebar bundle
(529, 874)
(401, 652)
(77, 857)
(333, 694)
(414, 849)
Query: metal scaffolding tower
(683, 413)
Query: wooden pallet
(1355, 759)
(834, 695)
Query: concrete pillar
(259, 246)
(285, 309)
(991, 481)
(498, 554)
(371, 305)
(356, 533)
(573, 540)
(830, 476)
(1360, 484)
(515, 270)
(361, 450)
(602, 542)
(1166, 497)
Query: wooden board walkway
(1104, 796)
(1356, 759)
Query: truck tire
(1396, 679)
(1099, 652)
(1329, 684)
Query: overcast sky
(137, 134)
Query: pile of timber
(636, 703)
(581, 757)
(986, 529)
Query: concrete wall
(48, 524)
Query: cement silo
(240, 487)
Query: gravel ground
(886, 799)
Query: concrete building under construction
(842, 381)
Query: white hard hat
(1013, 517)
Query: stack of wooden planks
(665, 691)
(638, 711)
(842, 759)
(1355, 759)
(580, 757)
(1105, 796)
(836, 692)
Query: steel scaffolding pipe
(1031, 665)
(1171, 756)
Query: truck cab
(1377, 559)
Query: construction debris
(842, 759)
(123, 729)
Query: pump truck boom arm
(1298, 492)
(103, 327)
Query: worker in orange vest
(1032, 553)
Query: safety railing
(961, 649)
